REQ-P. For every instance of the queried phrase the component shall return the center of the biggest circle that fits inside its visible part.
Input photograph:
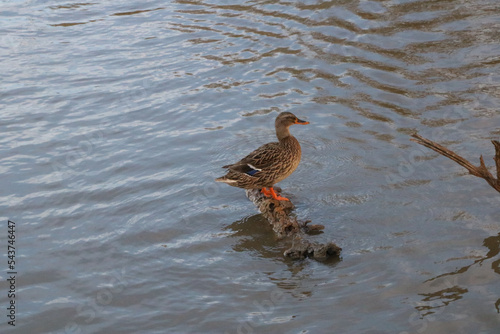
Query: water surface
(117, 116)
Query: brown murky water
(117, 116)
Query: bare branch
(479, 171)
(497, 158)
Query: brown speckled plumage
(270, 163)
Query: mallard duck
(270, 163)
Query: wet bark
(287, 227)
(479, 171)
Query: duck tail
(224, 179)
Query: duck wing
(260, 159)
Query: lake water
(116, 117)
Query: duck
(270, 163)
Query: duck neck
(282, 132)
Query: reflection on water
(455, 289)
(255, 235)
(440, 299)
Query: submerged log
(287, 227)
(479, 171)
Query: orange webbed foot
(272, 193)
(266, 192)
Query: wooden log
(479, 171)
(287, 227)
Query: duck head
(283, 122)
(287, 119)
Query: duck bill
(299, 121)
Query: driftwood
(286, 227)
(479, 171)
